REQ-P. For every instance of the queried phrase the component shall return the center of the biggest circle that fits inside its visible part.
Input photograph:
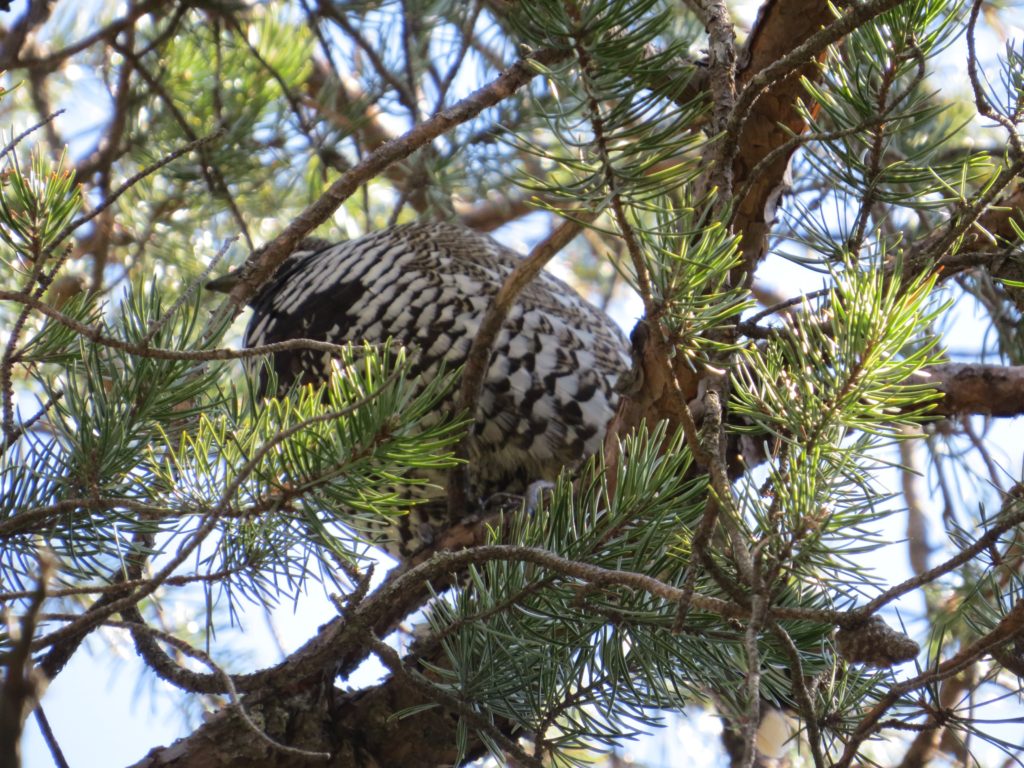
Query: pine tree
(721, 555)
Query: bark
(991, 390)
(773, 119)
(657, 389)
(357, 729)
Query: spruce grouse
(548, 393)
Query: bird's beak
(224, 283)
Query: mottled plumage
(548, 393)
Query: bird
(549, 391)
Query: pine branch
(267, 259)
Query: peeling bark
(781, 26)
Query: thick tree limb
(301, 708)
(781, 27)
(22, 684)
(773, 119)
(993, 390)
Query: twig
(105, 158)
(40, 96)
(714, 443)
(800, 692)
(20, 429)
(981, 102)
(208, 523)
(1010, 625)
(786, 149)
(406, 96)
(610, 180)
(100, 589)
(128, 568)
(450, 562)
(23, 521)
(36, 14)
(873, 161)
(66, 639)
(50, 738)
(105, 152)
(34, 287)
(917, 521)
(211, 173)
(134, 179)
(188, 293)
(722, 84)
(933, 251)
(346, 640)
(855, 17)
(755, 318)
(29, 131)
(467, 31)
(752, 719)
(294, 102)
(52, 61)
(146, 637)
(409, 24)
(267, 259)
(700, 541)
(1007, 520)
(95, 334)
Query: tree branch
(993, 390)
(265, 261)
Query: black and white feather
(548, 393)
